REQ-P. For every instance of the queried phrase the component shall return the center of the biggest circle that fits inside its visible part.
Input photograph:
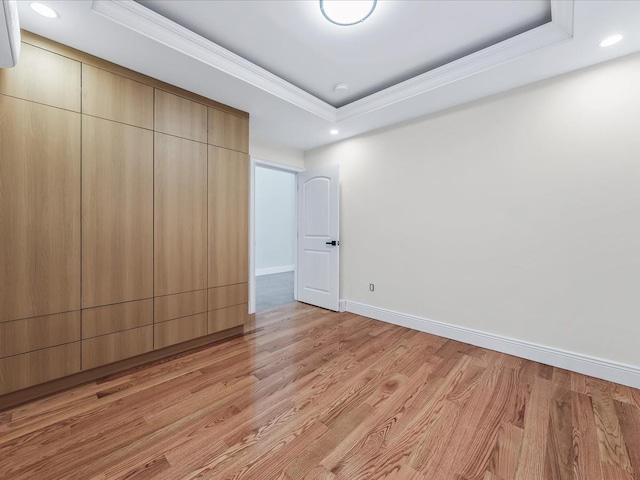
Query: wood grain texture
(229, 317)
(180, 215)
(228, 131)
(63, 50)
(179, 116)
(43, 77)
(21, 336)
(117, 212)
(38, 392)
(110, 348)
(115, 318)
(21, 371)
(39, 209)
(114, 97)
(180, 305)
(180, 330)
(221, 297)
(316, 394)
(228, 217)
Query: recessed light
(341, 88)
(44, 10)
(347, 12)
(612, 40)
(334, 131)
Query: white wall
(517, 215)
(275, 220)
(276, 152)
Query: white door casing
(318, 227)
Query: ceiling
(295, 42)
(280, 60)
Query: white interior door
(318, 237)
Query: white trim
(253, 162)
(272, 270)
(556, 31)
(162, 30)
(277, 165)
(152, 25)
(556, 357)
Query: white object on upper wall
(9, 34)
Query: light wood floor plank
(312, 394)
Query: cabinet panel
(181, 117)
(115, 318)
(180, 215)
(43, 77)
(180, 330)
(180, 305)
(111, 96)
(117, 346)
(228, 217)
(228, 131)
(229, 317)
(117, 212)
(22, 371)
(39, 209)
(21, 336)
(228, 296)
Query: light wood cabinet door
(180, 305)
(39, 209)
(106, 349)
(113, 97)
(228, 296)
(225, 318)
(180, 117)
(117, 212)
(22, 371)
(179, 330)
(22, 336)
(228, 217)
(228, 131)
(115, 318)
(43, 77)
(180, 215)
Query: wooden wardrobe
(123, 219)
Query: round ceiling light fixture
(334, 131)
(347, 12)
(44, 10)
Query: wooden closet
(123, 219)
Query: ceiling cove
(146, 22)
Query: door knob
(333, 243)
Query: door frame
(283, 167)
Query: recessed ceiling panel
(400, 40)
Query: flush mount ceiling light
(612, 40)
(44, 10)
(334, 131)
(347, 12)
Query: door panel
(318, 226)
(228, 217)
(180, 215)
(39, 209)
(117, 212)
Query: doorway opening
(274, 232)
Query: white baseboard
(593, 366)
(272, 270)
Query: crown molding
(162, 30)
(558, 30)
(146, 22)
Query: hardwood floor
(312, 394)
